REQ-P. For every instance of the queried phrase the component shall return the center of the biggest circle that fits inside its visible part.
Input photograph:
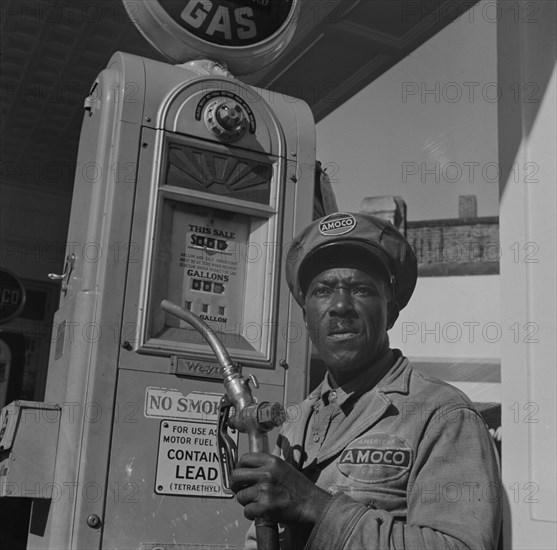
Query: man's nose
(342, 303)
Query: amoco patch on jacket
(375, 458)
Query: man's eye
(322, 291)
(362, 291)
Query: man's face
(346, 312)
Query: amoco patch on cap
(337, 224)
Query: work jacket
(412, 466)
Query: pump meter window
(213, 233)
(219, 173)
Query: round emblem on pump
(226, 119)
(12, 296)
(244, 34)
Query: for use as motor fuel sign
(188, 462)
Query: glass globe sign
(245, 35)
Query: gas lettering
(220, 21)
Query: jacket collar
(359, 385)
(396, 379)
(370, 407)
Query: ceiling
(52, 51)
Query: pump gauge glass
(214, 229)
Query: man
(379, 456)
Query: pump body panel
(189, 186)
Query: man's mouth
(342, 331)
(341, 336)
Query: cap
(352, 237)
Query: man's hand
(270, 488)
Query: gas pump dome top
(246, 35)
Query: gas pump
(189, 187)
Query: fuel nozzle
(263, 416)
(270, 415)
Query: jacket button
(315, 438)
(333, 394)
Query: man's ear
(392, 314)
